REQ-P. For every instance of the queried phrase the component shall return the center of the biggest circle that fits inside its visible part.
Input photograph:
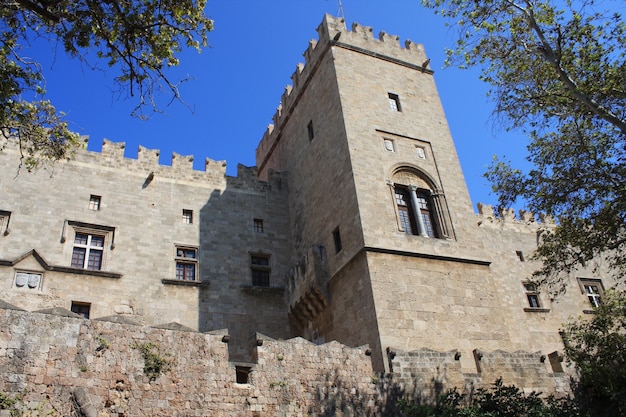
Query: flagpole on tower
(340, 13)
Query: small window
(337, 240)
(258, 225)
(243, 374)
(389, 145)
(593, 289)
(394, 102)
(94, 202)
(187, 216)
(532, 295)
(28, 280)
(421, 152)
(186, 263)
(520, 255)
(260, 268)
(88, 251)
(5, 218)
(310, 130)
(82, 309)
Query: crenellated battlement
(507, 217)
(332, 32)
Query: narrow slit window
(337, 240)
(310, 130)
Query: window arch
(420, 210)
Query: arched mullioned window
(420, 209)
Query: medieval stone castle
(354, 234)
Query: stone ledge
(166, 281)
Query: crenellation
(113, 150)
(182, 163)
(148, 157)
(387, 38)
(310, 51)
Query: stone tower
(386, 248)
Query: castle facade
(355, 226)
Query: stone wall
(64, 364)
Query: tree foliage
(597, 347)
(139, 39)
(557, 71)
(500, 400)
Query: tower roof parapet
(332, 32)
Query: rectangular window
(94, 202)
(88, 251)
(593, 290)
(532, 295)
(187, 216)
(520, 255)
(186, 263)
(260, 268)
(258, 225)
(394, 102)
(82, 309)
(337, 240)
(5, 218)
(404, 211)
(309, 128)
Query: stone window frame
(260, 269)
(428, 196)
(391, 142)
(394, 102)
(95, 202)
(258, 225)
(5, 220)
(586, 288)
(533, 298)
(81, 308)
(187, 216)
(91, 230)
(184, 264)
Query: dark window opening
(258, 225)
(532, 295)
(260, 269)
(82, 309)
(337, 240)
(394, 102)
(88, 251)
(186, 263)
(243, 374)
(187, 216)
(407, 213)
(310, 130)
(520, 255)
(94, 202)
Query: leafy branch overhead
(557, 72)
(138, 39)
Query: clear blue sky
(238, 81)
